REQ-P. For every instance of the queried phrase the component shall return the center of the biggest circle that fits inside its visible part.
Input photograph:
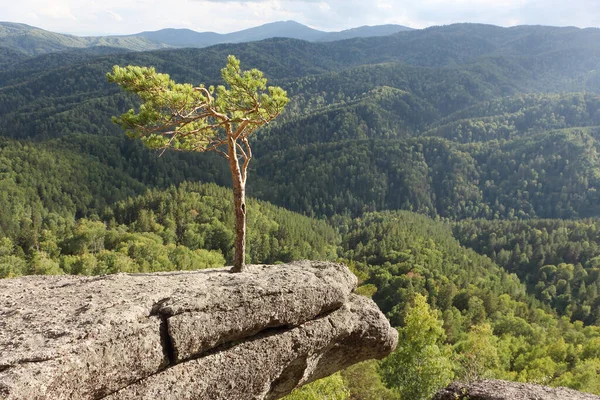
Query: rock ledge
(206, 334)
(490, 389)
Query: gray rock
(490, 389)
(276, 361)
(204, 334)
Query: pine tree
(196, 118)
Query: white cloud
(114, 15)
(57, 10)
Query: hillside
(26, 41)
(364, 31)
(32, 41)
(390, 121)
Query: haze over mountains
(34, 41)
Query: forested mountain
(459, 163)
(551, 175)
(190, 38)
(558, 260)
(364, 31)
(284, 29)
(32, 41)
(395, 103)
(25, 41)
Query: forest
(454, 169)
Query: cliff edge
(207, 334)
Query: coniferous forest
(454, 169)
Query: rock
(489, 389)
(206, 334)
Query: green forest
(454, 169)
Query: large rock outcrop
(489, 389)
(207, 334)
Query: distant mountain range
(31, 41)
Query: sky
(101, 17)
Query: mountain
(284, 29)
(182, 37)
(26, 40)
(364, 31)
(33, 41)
(288, 29)
(190, 38)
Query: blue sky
(96, 17)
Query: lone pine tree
(199, 118)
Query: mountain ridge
(33, 41)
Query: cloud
(57, 10)
(114, 15)
(257, 1)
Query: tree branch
(247, 158)
(240, 129)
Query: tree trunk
(239, 208)
(239, 205)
